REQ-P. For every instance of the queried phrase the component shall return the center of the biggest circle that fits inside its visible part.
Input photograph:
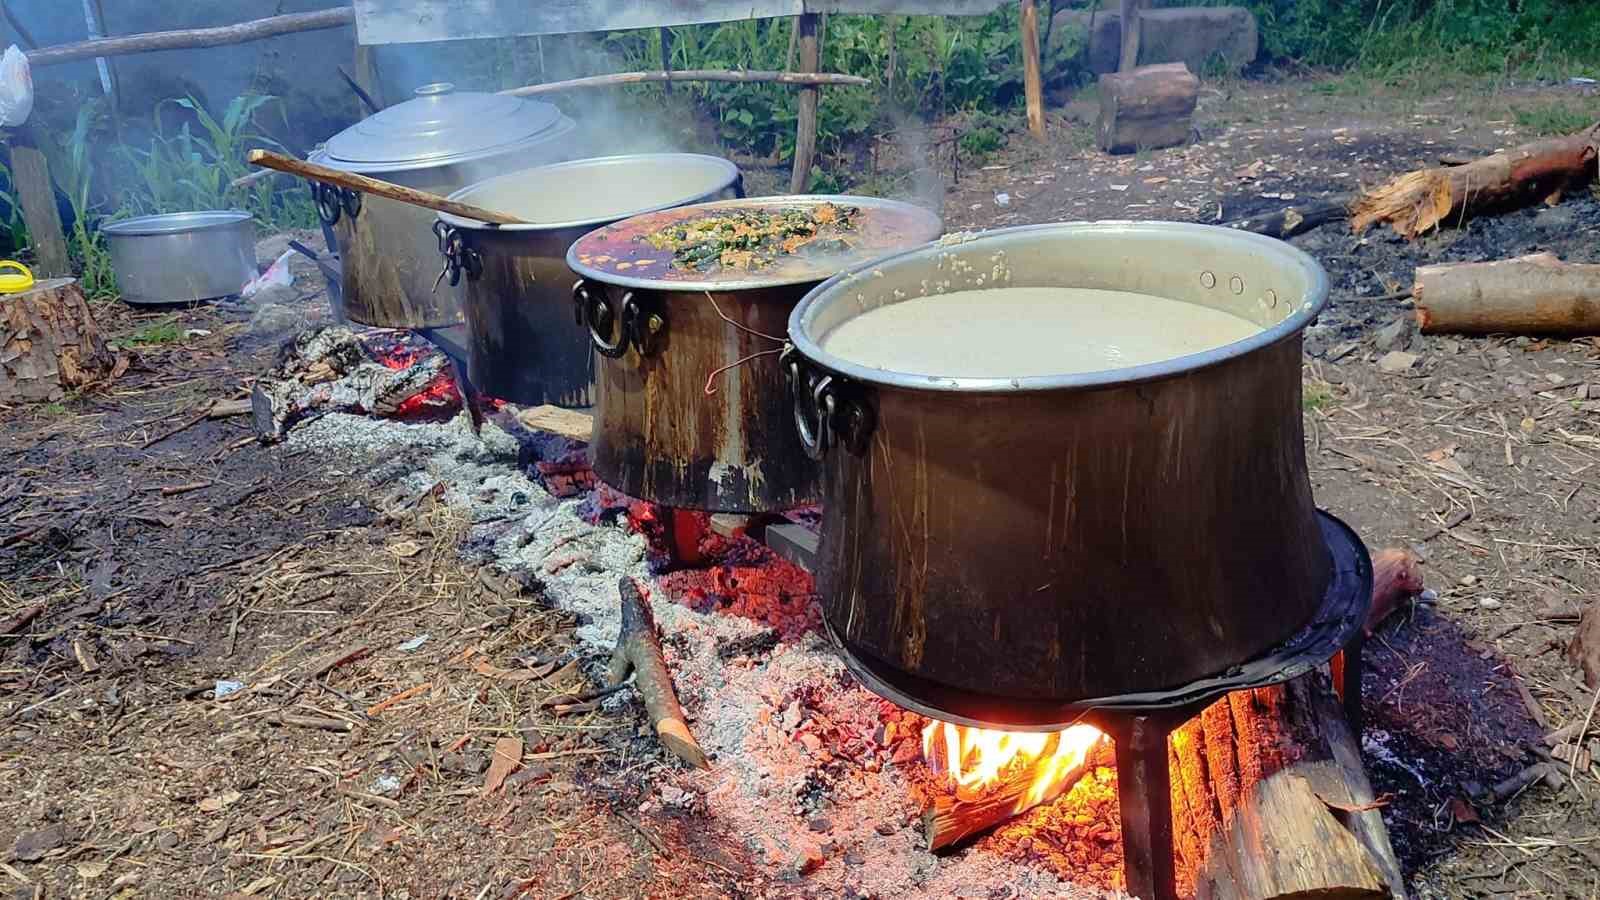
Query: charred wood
(638, 652)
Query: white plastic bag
(276, 275)
(16, 88)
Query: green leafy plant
(185, 170)
(16, 229)
(74, 169)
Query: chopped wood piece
(1306, 823)
(507, 756)
(1418, 201)
(1147, 108)
(1396, 578)
(1292, 220)
(318, 722)
(568, 423)
(638, 652)
(86, 660)
(401, 697)
(50, 344)
(1534, 294)
(1584, 651)
(338, 658)
(224, 409)
(953, 818)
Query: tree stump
(49, 343)
(1147, 108)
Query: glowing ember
(975, 759)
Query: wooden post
(31, 174)
(664, 35)
(1132, 27)
(1032, 85)
(805, 136)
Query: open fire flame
(975, 760)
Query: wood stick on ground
(1419, 201)
(953, 818)
(16, 623)
(795, 79)
(1292, 220)
(191, 38)
(638, 652)
(1535, 294)
(401, 697)
(318, 722)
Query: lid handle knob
(435, 89)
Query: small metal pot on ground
(439, 141)
(178, 258)
(692, 407)
(1059, 539)
(516, 288)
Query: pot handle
(331, 201)
(636, 326)
(458, 256)
(823, 415)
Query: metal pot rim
(729, 168)
(176, 223)
(1316, 298)
(747, 284)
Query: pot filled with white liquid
(1062, 463)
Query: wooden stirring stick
(379, 188)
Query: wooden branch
(380, 188)
(797, 79)
(954, 818)
(1536, 294)
(1033, 86)
(192, 38)
(805, 134)
(1292, 220)
(638, 652)
(1419, 201)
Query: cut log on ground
(49, 343)
(1396, 578)
(795, 79)
(638, 652)
(1147, 108)
(1419, 201)
(1536, 294)
(953, 818)
(1303, 820)
(1292, 220)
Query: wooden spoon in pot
(379, 188)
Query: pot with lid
(1063, 464)
(438, 141)
(686, 309)
(516, 289)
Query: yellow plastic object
(11, 282)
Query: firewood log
(50, 344)
(1536, 294)
(1584, 650)
(1147, 108)
(955, 817)
(638, 652)
(1396, 578)
(1418, 201)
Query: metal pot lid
(439, 126)
(621, 254)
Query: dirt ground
(352, 758)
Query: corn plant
(74, 168)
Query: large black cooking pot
(1042, 541)
(517, 293)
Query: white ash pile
(334, 369)
(800, 767)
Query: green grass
(1557, 118)
(1316, 395)
(165, 331)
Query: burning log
(49, 343)
(1541, 170)
(1033, 769)
(331, 370)
(1535, 294)
(638, 652)
(1147, 108)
